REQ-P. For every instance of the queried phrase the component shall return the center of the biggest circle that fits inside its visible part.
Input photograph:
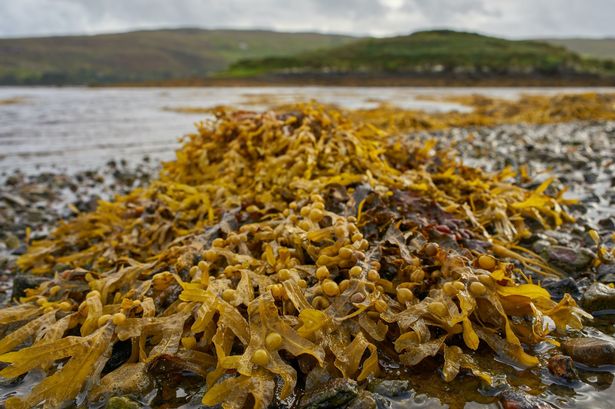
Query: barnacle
(280, 242)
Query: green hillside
(603, 48)
(145, 55)
(441, 51)
(180, 56)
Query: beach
(579, 155)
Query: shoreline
(427, 80)
(363, 82)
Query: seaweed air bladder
(282, 242)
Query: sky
(505, 18)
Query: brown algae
(281, 242)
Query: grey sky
(508, 18)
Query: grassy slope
(427, 51)
(603, 48)
(145, 55)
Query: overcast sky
(508, 18)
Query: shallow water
(76, 127)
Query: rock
(599, 380)
(315, 377)
(21, 249)
(606, 273)
(513, 399)
(608, 223)
(562, 366)
(364, 400)
(16, 200)
(567, 259)
(332, 394)
(557, 288)
(129, 379)
(388, 388)
(24, 281)
(599, 297)
(121, 402)
(591, 198)
(590, 351)
(591, 177)
(540, 245)
(11, 241)
(578, 208)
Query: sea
(67, 129)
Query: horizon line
(307, 31)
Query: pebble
(567, 259)
(606, 273)
(515, 399)
(364, 400)
(562, 366)
(332, 394)
(388, 388)
(590, 351)
(599, 297)
(22, 282)
(558, 288)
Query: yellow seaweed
(286, 237)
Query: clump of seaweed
(281, 242)
(490, 111)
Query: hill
(602, 48)
(232, 57)
(428, 52)
(145, 55)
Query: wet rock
(121, 402)
(599, 297)
(540, 245)
(365, 400)
(332, 394)
(600, 381)
(316, 376)
(557, 288)
(562, 366)
(129, 379)
(567, 259)
(590, 351)
(478, 245)
(513, 399)
(89, 205)
(34, 216)
(24, 281)
(592, 198)
(21, 249)
(606, 273)
(11, 241)
(591, 177)
(388, 388)
(16, 200)
(578, 208)
(608, 223)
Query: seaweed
(280, 242)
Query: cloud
(509, 18)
